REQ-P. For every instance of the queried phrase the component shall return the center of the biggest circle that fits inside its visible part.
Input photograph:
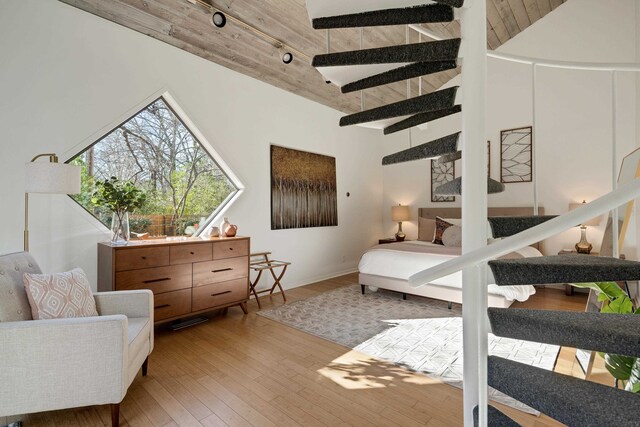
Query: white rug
(419, 334)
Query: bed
(388, 266)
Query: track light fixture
(287, 57)
(218, 19)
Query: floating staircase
(400, 62)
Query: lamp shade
(400, 213)
(593, 221)
(52, 178)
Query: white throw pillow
(452, 236)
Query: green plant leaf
(622, 305)
(619, 366)
(633, 385)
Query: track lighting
(218, 19)
(287, 57)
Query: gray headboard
(427, 217)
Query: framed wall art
(442, 173)
(516, 155)
(303, 189)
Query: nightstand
(387, 240)
(568, 289)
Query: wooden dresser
(186, 276)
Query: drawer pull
(221, 270)
(144, 257)
(220, 293)
(192, 253)
(162, 306)
(156, 280)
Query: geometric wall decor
(516, 155)
(441, 173)
(303, 189)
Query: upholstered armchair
(64, 363)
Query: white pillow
(452, 236)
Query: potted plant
(625, 369)
(121, 198)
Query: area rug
(419, 334)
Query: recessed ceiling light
(218, 19)
(287, 57)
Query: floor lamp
(48, 178)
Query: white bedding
(386, 261)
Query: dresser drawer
(184, 254)
(219, 294)
(129, 259)
(230, 249)
(159, 279)
(170, 304)
(206, 273)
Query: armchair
(63, 363)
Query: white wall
(573, 139)
(68, 76)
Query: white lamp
(400, 213)
(48, 178)
(583, 246)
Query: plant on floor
(121, 198)
(615, 300)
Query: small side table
(387, 240)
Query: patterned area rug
(419, 334)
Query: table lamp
(583, 246)
(400, 213)
(48, 178)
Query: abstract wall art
(516, 155)
(303, 189)
(442, 173)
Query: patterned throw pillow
(60, 295)
(441, 225)
(452, 236)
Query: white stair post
(474, 207)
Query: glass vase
(120, 228)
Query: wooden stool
(260, 262)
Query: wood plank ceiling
(188, 26)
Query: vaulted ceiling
(186, 24)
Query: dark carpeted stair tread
(427, 150)
(505, 226)
(495, 418)
(453, 3)
(398, 74)
(571, 268)
(441, 50)
(433, 101)
(421, 118)
(572, 401)
(454, 187)
(398, 16)
(611, 333)
(450, 157)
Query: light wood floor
(241, 370)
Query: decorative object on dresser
(48, 178)
(398, 214)
(516, 155)
(583, 246)
(303, 189)
(186, 276)
(260, 262)
(441, 173)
